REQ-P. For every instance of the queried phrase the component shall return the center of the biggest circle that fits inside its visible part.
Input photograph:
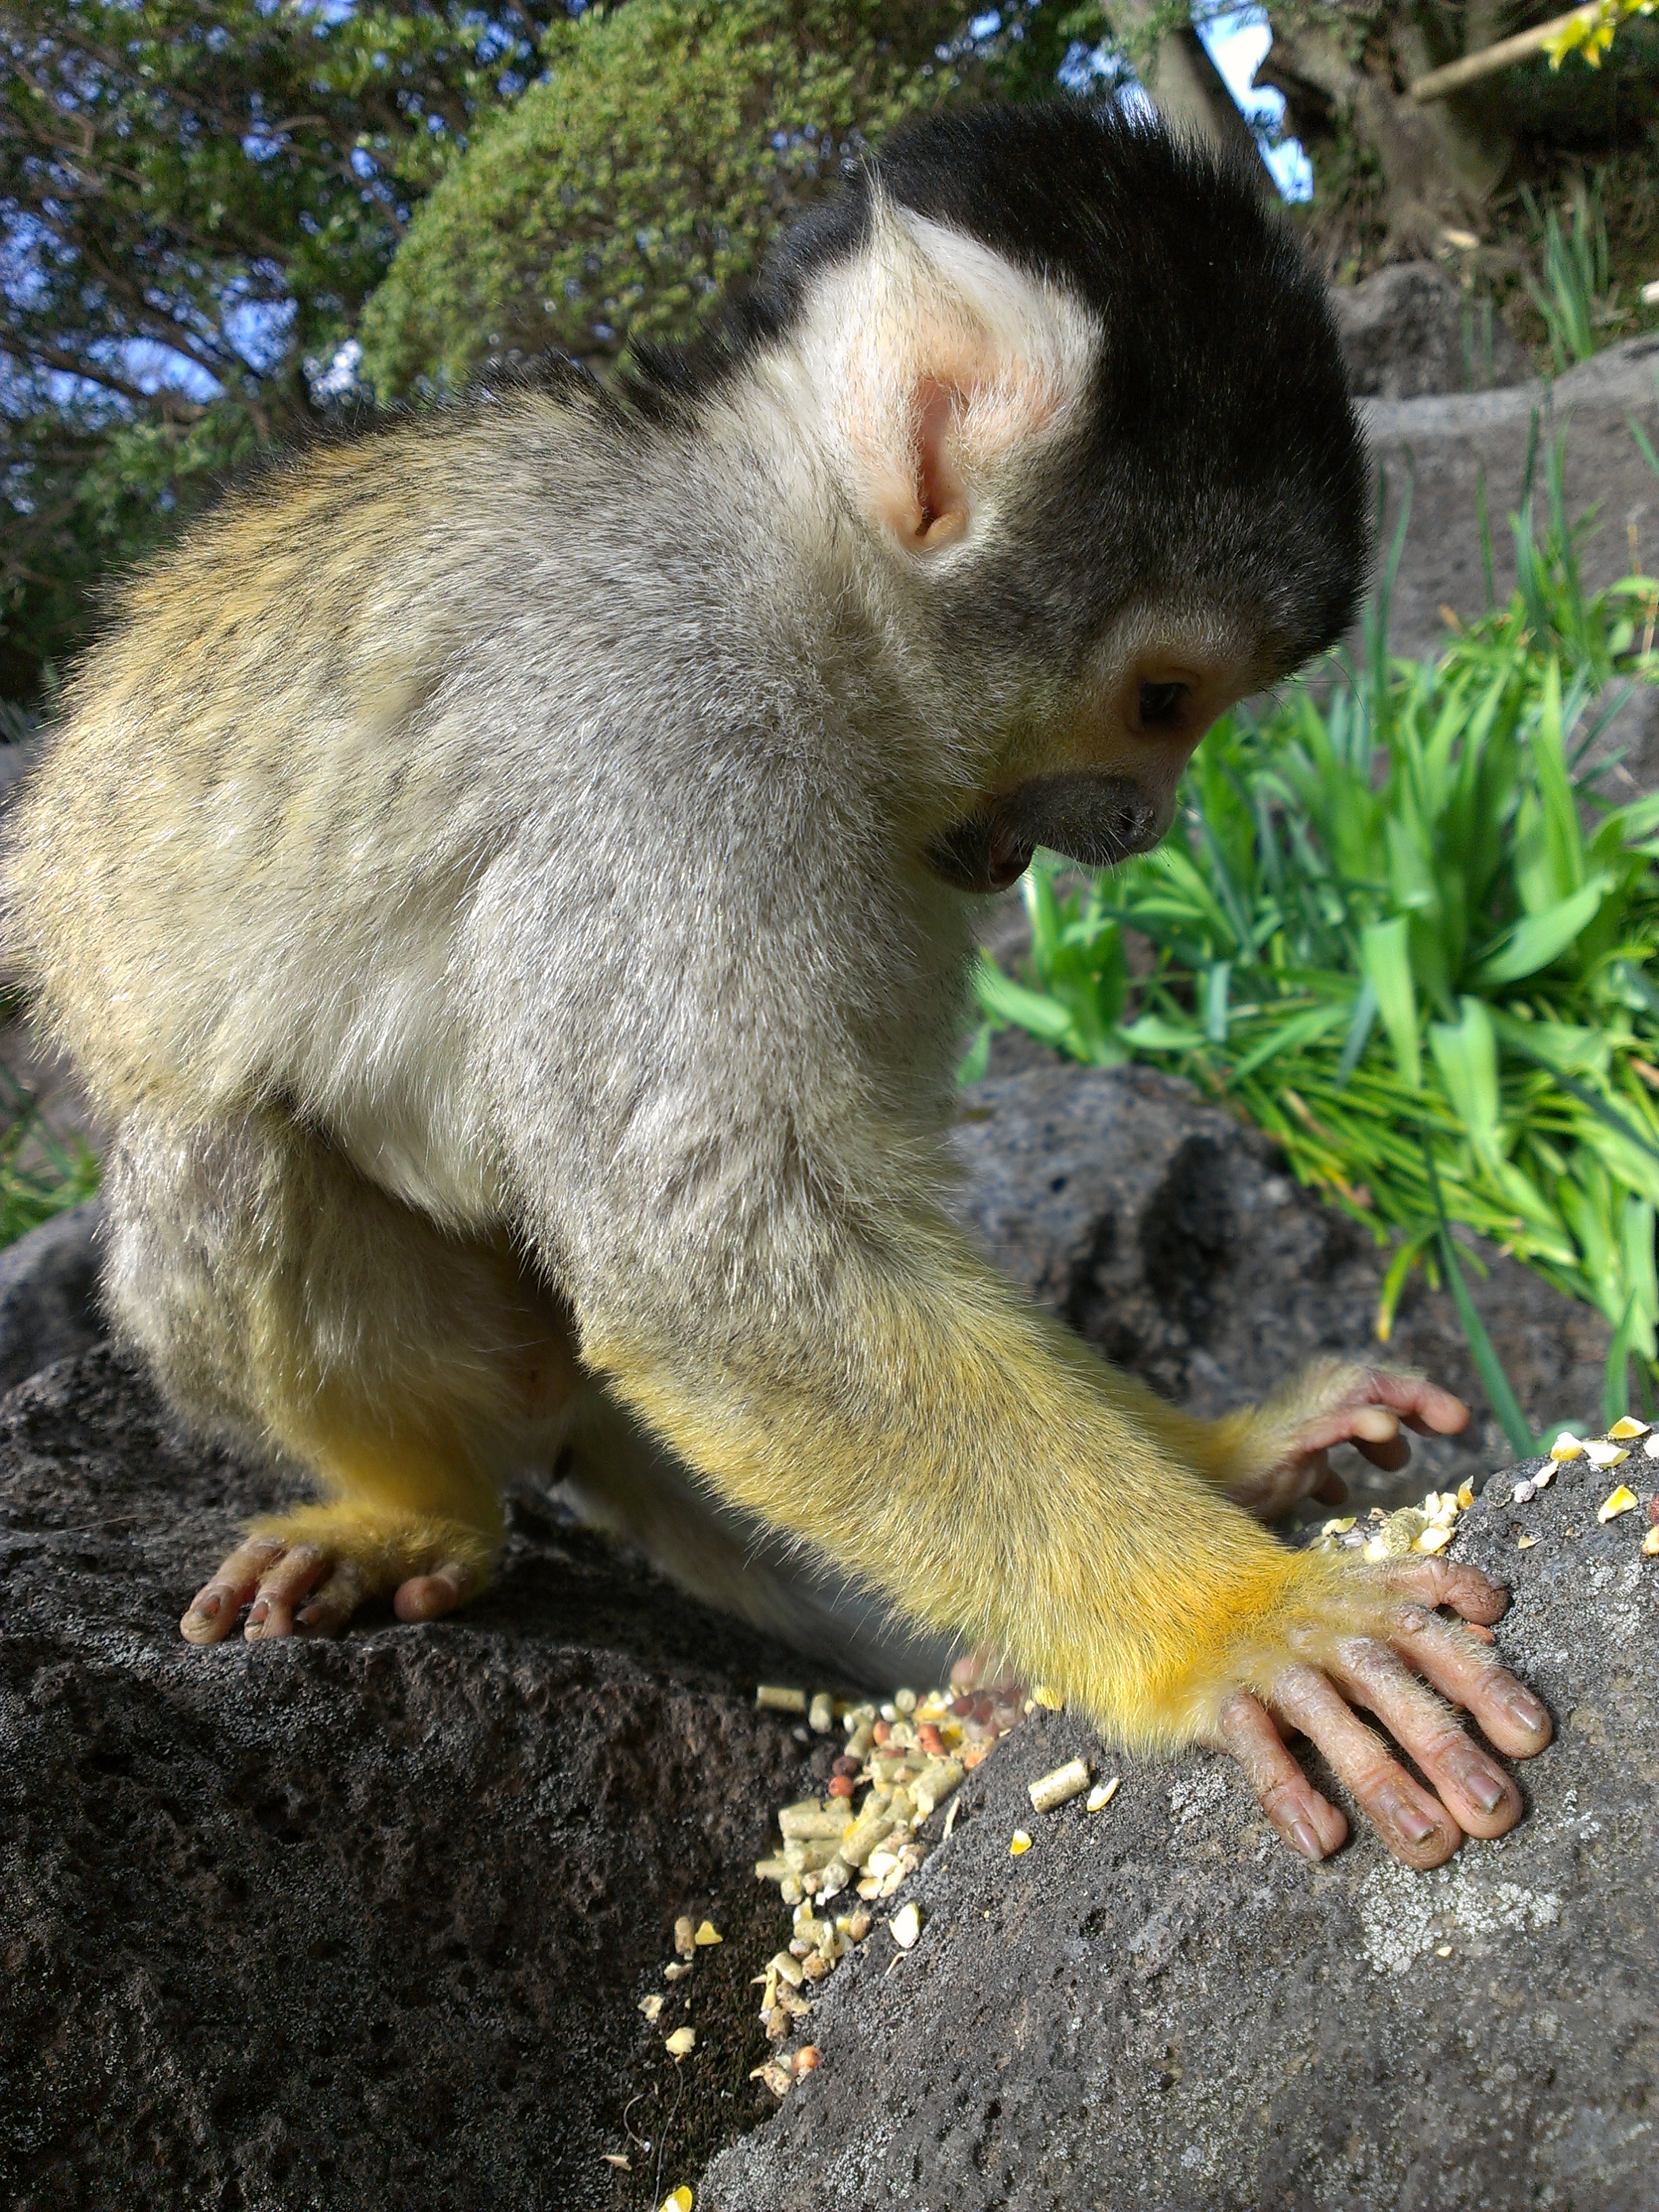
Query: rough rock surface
(355, 1925)
(1442, 445)
(1175, 1240)
(49, 1294)
(365, 1923)
(1157, 2006)
(1408, 331)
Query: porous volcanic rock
(1174, 1238)
(1442, 446)
(1409, 330)
(1158, 2006)
(49, 1306)
(361, 1924)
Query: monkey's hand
(1388, 1671)
(1269, 1457)
(1280, 1454)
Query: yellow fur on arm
(950, 1447)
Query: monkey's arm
(904, 1412)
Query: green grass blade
(1505, 1405)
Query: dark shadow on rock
(363, 1923)
(49, 1306)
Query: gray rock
(1174, 1238)
(1158, 2006)
(49, 1305)
(1409, 330)
(1442, 446)
(356, 1925)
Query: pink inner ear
(941, 495)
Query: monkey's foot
(311, 1569)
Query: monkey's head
(1081, 396)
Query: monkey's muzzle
(1095, 820)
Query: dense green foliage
(1399, 927)
(195, 198)
(669, 141)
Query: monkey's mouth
(1095, 820)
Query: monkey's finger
(425, 1597)
(1306, 1820)
(1508, 1713)
(1474, 1789)
(332, 1606)
(281, 1588)
(1414, 1824)
(1330, 1489)
(214, 1608)
(1431, 1582)
(1389, 1453)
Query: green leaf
(1539, 938)
(1005, 1001)
(1385, 959)
(1288, 1036)
(1465, 1053)
(1153, 1034)
(1496, 1383)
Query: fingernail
(205, 1607)
(1414, 1824)
(1525, 1710)
(1304, 1839)
(256, 1612)
(1483, 1786)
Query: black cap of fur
(1221, 458)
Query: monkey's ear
(939, 368)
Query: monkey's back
(246, 844)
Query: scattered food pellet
(1650, 1542)
(707, 1934)
(619, 2158)
(677, 1970)
(806, 2059)
(1626, 1429)
(1339, 1528)
(1615, 1502)
(1525, 1543)
(777, 2077)
(1062, 1783)
(1566, 1446)
(775, 1697)
(681, 2044)
(678, 2200)
(1442, 1950)
(1101, 1797)
(1599, 1453)
(685, 1935)
(1465, 1495)
(1524, 1493)
(651, 2006)
(905, 1926)
(1434, 1540)
(1651, 1447)
(1018, 1842)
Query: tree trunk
(1391, 175)
(1187, 89)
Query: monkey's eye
(1161, 705)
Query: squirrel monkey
(510, 880)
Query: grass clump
(1402, 926)
(41, 1173)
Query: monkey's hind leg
(281, 1298)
